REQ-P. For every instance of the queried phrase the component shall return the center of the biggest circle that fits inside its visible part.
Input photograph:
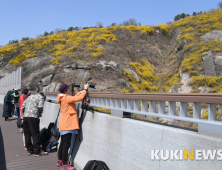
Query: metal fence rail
(11, 81)
(154, 105)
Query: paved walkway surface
(12, 154)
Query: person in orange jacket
(68, 121)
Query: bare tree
(132, 21)
(219, 5)
(113, 24)
(125, 23)
(99, 24)
(57, 30)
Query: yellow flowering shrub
(66, 43)
(21, 57)
(163, 27)
(205, 114)
(194, 26)
(150, 80)
(103, 109)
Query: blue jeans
(15, 110)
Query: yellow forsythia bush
(66, 43)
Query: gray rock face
(185, 79)
(1, 60)
(133, 73)
(218, 65)
(50, 88)
(204, 89)
(83, 67)
(124, 82)
(209, 65)
(68, 66)
(180, 45)
(106, 67)
(7, 70)
(33, 64)
(47, 80)
(81, 75)
(177, 31)
(41, 73)
(213, 35)
(112, 63)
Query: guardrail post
(196, 110)
(183, 109)
(144, 106)
(172, 108)
(161, 107)
(137, 105)
(152, 106)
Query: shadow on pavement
(2, 152)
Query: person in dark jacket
(7, 108)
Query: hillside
(84, 55)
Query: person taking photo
(68, 122)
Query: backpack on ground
(53, 142)
(49, 137)
(96, 165)
(45, 135)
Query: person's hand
(86, 86)
(40, 115)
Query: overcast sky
(29, 18)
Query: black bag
(19, 122)
(96, 165)
(45, 134)
(53, 142)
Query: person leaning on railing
(68, 121)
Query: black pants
(31, 129)
(64, 147)
(18, 112)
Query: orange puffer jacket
(68, 119)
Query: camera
(91, 85)
(75, 85)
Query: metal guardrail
(153, 104)
(11, 81)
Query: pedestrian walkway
(12, 154)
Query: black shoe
(41, 153)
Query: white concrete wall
(2, 98)
(126, 144)
(50, 113)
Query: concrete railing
(127, 144)
(154, 105)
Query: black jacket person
(7, 108)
